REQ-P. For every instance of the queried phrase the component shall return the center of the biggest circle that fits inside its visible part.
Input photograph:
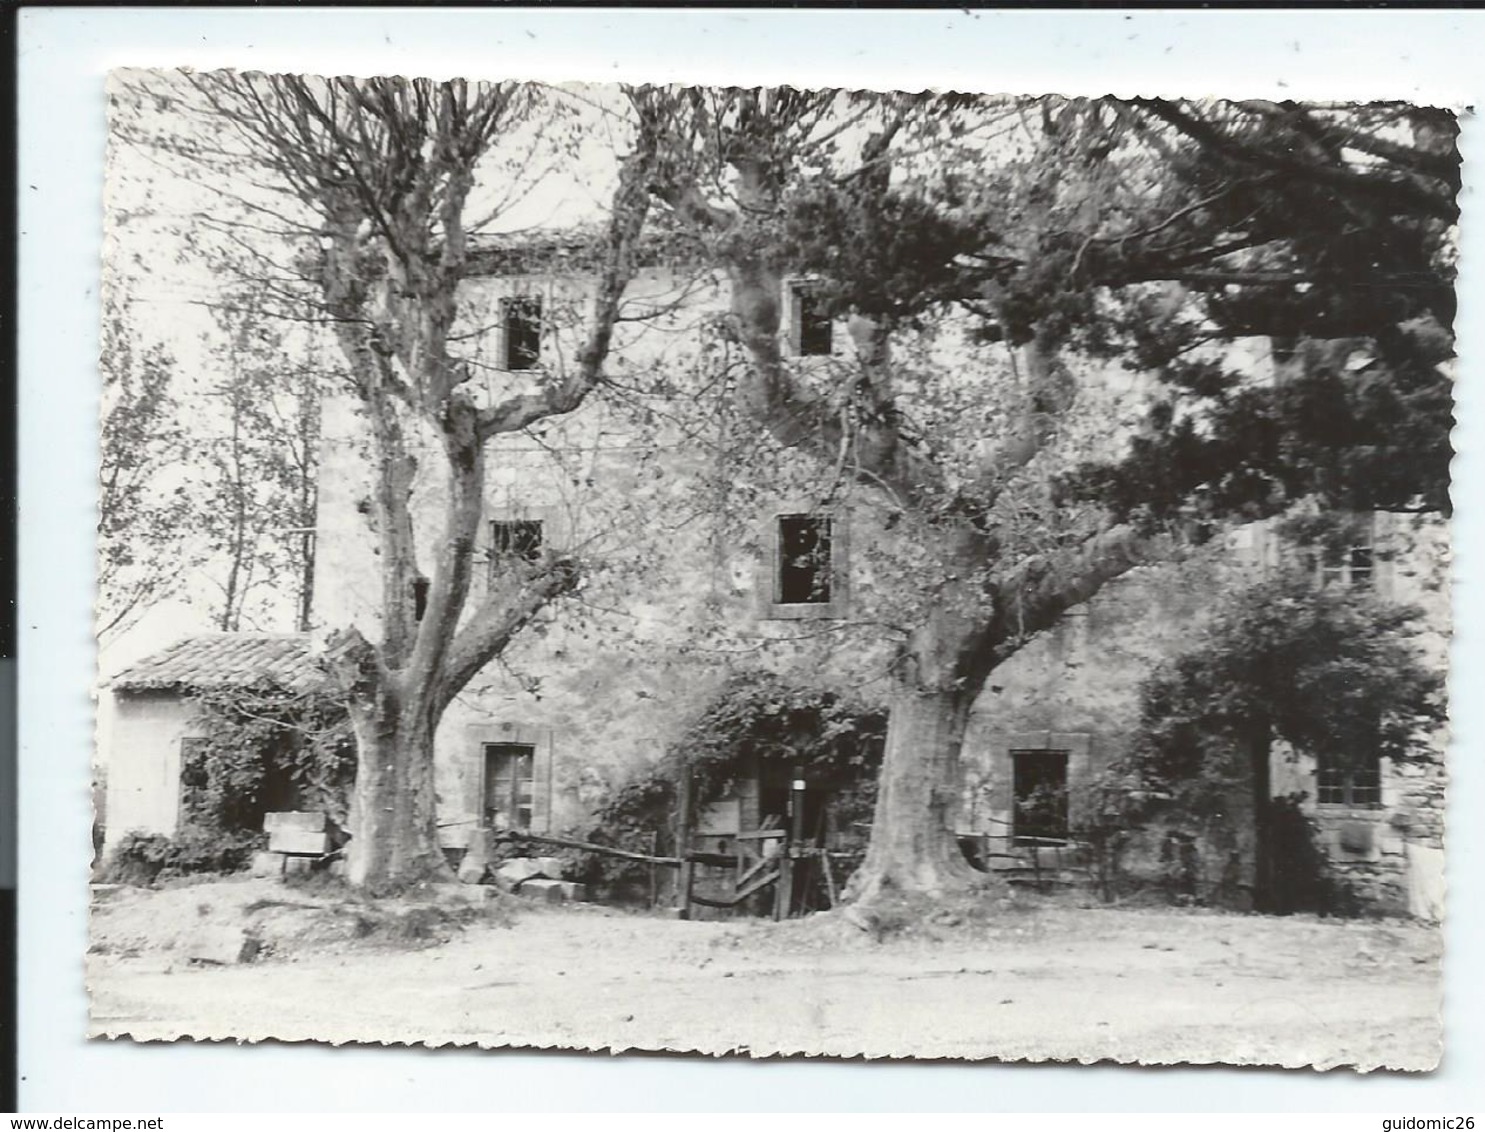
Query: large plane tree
(1152, 233)
(357, 199)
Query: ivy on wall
(756, 719)
(265, 750)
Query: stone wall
(676, 548)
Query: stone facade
(684, 587)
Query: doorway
(510, 785)
(1039, 779)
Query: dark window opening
(522, 333)
(1359, 784)
(804, 560)
(812, 324)
(514, 538)
(510, 785)
(1040, 788)
(420, 598)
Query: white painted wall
(144, 766)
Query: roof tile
(227, 660)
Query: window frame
(514, 309)
(770, 581)
(805, 326)
(821, 574)
(1338, 566)
(501, 557)
(489, 751)
(190, 795)
(1018, 757)
(1355, 564)
(1351, 787)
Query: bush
(144, 859)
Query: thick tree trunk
(937, 678)
(394, 825)
(913, 847)
(393, 819)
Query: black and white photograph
(773, 570)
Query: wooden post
(683, 846)
(793, 835)
(784, 889)
(654, 847)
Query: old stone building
(706, 551)
(1064, 707)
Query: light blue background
(64, 54)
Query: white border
(63, 55)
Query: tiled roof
(567, 250)
(227, 660)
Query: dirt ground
(1012, 979)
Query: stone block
(266, 864)
(294, 819)
(455, 893)
(540, 888)
(222, 946)
(551, 867)
(298, 841)
(517, 870)
(476, 860)
(1356, 837)
(297, 866)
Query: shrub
(146, 858)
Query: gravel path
(1043, 982)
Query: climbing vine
(835, 741)
(262, 750)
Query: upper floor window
(805, 562)
(1347, 566)
(1337, 550)
(809, 321)
(514, 539)
(521, 321)
(805, 574)
(1356, 783)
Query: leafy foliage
(140, 517)
(1330, 672)
(145, 858)
(758, 715)
(262, 749)
(1359, 424)
(258, 488)
(756, 718)
(1328, 230)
